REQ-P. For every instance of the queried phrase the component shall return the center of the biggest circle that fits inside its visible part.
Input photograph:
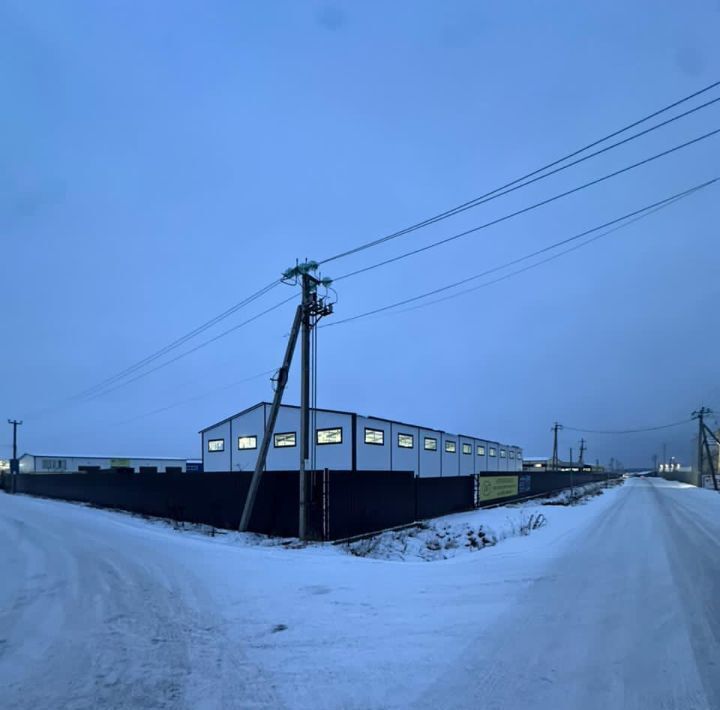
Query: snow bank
(463, 533)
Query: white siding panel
(466, 461)
(492, 461)
(373, 457)
(430, 461)
(337, 457)
(251, 423)
(217, 460)
(450, 464)
(404, 459)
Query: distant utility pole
(581, 461)
(664, 458)
(655, 462)
(704, 445)
(14, 462)
(572, 476)
(555, 461)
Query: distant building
(58, 463)
(542, 463)
(345, 441)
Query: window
(430, 444)
(450, 447)
(329, 436)
(216, 445)
(54, 464)
(247, 442)
(280, 441)
(512, 454)
(376, 437)
(481, 451)
(492, 451)
(503, 453)
(406, 441)
(467, 449)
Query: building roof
(94, 456)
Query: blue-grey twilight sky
(161, 160)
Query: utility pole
(282, 378)
(312, 310)
(582, 454)
(555, 428)
(572, 476)
(703, 444)
(664, 458)
(307, 294)
(14, 462)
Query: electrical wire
(178, 342)
(628, 431)
(503, 189)
(208, 393)
(196, 348)
(619, 222)
(524, 210)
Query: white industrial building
(352, 442)
(57, 463)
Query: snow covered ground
(611, 604)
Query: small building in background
(59, 463)
(345, 441)
(537, 464)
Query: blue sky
(160, 161)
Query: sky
(159, 162)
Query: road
(102, 610)
(628, 617)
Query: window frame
(285, 446)
(369, 429)
(465, 445)
(328, 443)
(434, 440)
(404, 446)
(480, 450)
(503, 453)
(492, 451)
(214, 441)
(450, 442)
(247, 448)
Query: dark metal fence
(341, 503)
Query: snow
(601, 607)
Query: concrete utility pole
(581, 460)
(555, 428)
(703, 445)
(313, 309)
(307, 295)
(14, 461)
(282, 378)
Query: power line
(196, 348)
(178, 342)
(494, 193)
(620, 222)
(208, 393)
(524, 210)
(629, 431)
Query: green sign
(492, 487)
(119, 463)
